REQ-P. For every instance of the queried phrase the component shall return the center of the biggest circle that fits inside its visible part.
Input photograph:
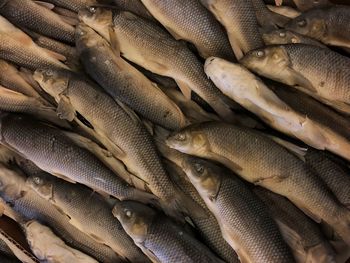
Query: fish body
(304, 5)
(83, 206)
(284, 10)
(74, 5)
(191, 21)
(261, 161)
(239, 20)
(266, 18)
(134, 6)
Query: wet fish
(244, 87)
(328, 25)
(244, 220)
(300, 232)
(74, 5)
(50, 248)
(119, 129)
(150, 46)
(304, 5)
(261, 161)
(319, 72)
(27, 13)
(287, 11)
(17, 47)
(239, 19)
(26, 202)
(191, 21)
(124, 82)
(266, 18)
(158, 237)
(82, 206)
(283, 36)
(55, 153)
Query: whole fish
(244, 220)
(150, 46)
(17, 47)
(266, 18)
(158, 237)
(124, 82)
(319, 72)
(283, 36)
(261, 161)
(50, 248)
(55, 153)
(327, 25)
(284, 11)
(120, 130)
(300, 232)
(27, 13)
(244, 87)
(74, 5)
(304, 5)
(23, 200)
(239, 19)
(191, 21)
(82, 206)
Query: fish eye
(128, 213)
(180, 137)
(37, 180)
(294, 40)
(260, 53)
(199, 168)
(92, 10)
(302, 23)
(49, 73)
(282, 34)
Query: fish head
(311, 24)
(12, 183)
(98, 18)
(42, 184)
(87, 38)
(280, 36)
(204, 175)
(52, 81)
(134, 217)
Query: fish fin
(228, 163)
(185, 89)
(114, 41)
(65, 109)
(173, 33)
(55, 55)
(129, 111)
(292, 238)
(63, 177)
(300, 80)
(145, 198)
(237, 50)
(149, 126)
(150, 254)
(300, 152)
(45, 4)
(69, 20)
(279, 2)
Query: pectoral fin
(45, 4)
(299, 80)
(114, 41)
(185, 89)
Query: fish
(239, 20)
(261, 161)
(304, 5)
(50, 248)
(287, 11)
(321, 73)
(124, 82)
(283, 36)
(248, 90)
(74, 5)
(160, 238)
(300, 232)
(18, 48)
(27, 13)
(23, 200)
(134, 6)
(120, 130)
(326, 25)
(53, 152)
(192, 22)
(243, 219)
(82, 206)
(158, 52)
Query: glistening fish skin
(158, 237)
(83, 206)
(124, 82)
(260, 160)
(244, 220)
(239, 19)
(328, 25)
(29, 204)
(322, 73)
(191, 21)
(27, 13)
(300, 232)
(150, 46)
(53, 152)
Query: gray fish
(27, 13)
(158, 237)
(55, 153)
(304, 5)
(319, 72)
(191, 21)
(124, 82)
(74, 5)
(239, 19)
(150, 46)
(82, 206)
(328, 25)
(119, 129)
(29, 204)
(300, 232)
(244, 220)
(261, 161)
(134, 6)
